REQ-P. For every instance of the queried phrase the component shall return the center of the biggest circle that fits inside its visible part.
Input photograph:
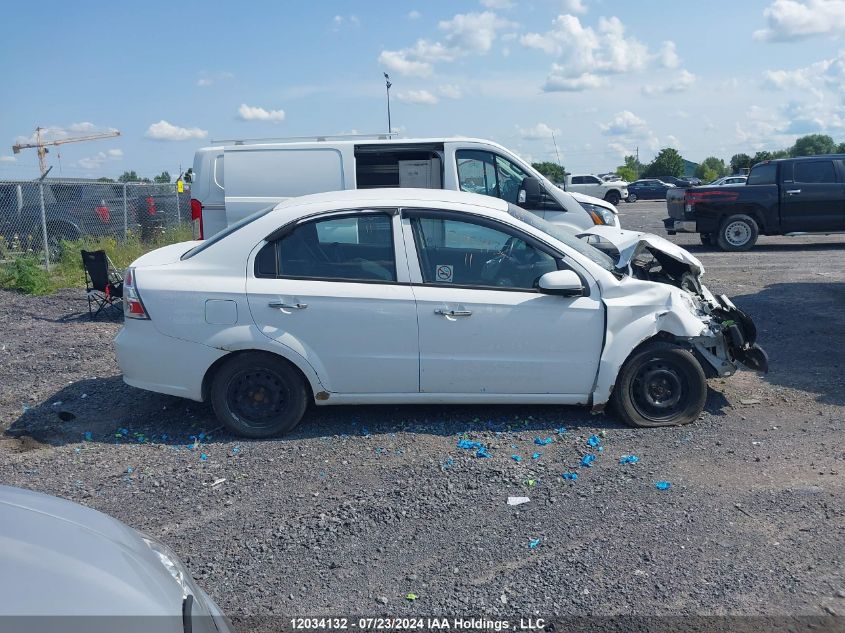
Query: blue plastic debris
(203, 457)
(560, 431)
(533, 543)
(164, 437)
(123, 431)
(662, 485)
(78, 450)
(89, 436)
(593, 441)
(469, 444)
(570, 476)
(447, 464)
(629, 459)
(516, 458)
(543, 442)
(365, 431)
(236, 450)
(536, 456)
(482, 452)
(588, 459)
(129, 470)
(201, 436)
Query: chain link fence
(36, 217)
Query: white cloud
(815, 78)
(464, 34)
(202, 82)
(164, 131)
(414, 15)
(115, 154)
(205, 79)
(450, 91)
(255, 113)
(668, 55)
(8, 159)
(574, 6)
(344, 21)
(788, 20)
(97, 160)
(537, 132)
(497, 4)
(623, 123)
(682, 82)
(83, 126)
(422, 97)
(558, 81)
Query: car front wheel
(257, 395)
(661, 384)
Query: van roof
(398, 195)
(340, 141)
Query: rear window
(763, 174)
(226, 232)
(817, 171)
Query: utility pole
(387, 85)
(638, 161)
(557, 153)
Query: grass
(27, 273)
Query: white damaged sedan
(396, 296)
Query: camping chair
(103, 283)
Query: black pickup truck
(790, 196)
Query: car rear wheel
(613, 197)
(661, 384)
(738, 233)
(258, 395)
(632, 197)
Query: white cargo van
(235, 178)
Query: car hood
(580, 197)
(63, 559)
(632, 243)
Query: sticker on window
(443, 273)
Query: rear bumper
(155, 362)
(673, 226)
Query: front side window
(353, 248)
(489, 174)
(819, 171)
(462, 253)
(577, 180)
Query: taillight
(196, 218)
(133, 307)
(103, 212)
(151, 206)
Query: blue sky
(605, 77)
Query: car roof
(394, 196)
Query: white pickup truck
(591, 185)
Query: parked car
(65, 567)
(444, 297)
(611, 191)
(678, 182)
(729, 181)
(790, 196)
(648, 189)
(235, 179)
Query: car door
(483, 326)
(812, 196)
(333, 289)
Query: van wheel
(661, 384)
(258, 395)
(613, 197)
(737, 233)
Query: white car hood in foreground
(631, 243)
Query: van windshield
(562, 235)
(227, 232)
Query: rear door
(335, 290)
(812, 196)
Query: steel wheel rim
(658, 390)
(256, 397)
(737, 233)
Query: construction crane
(41, 146)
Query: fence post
(44, 228)
(125, 215)
(178, 214)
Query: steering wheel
(493, 266)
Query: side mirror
(561, 282)
(529, 193)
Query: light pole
(387, 85)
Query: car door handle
(793, 192)
(453, 313)
(287, 306)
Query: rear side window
(763, 174)
(347, 248)
(817, 171)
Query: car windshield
(227, 232)
(563, 235)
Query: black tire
(613, 197)
(738, 233)
(661, 384)
(632, 197)
(258, 394)
(706, 239)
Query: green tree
(711, 168)
(631, 170)
(163, 177)
(812, 145)
(104, 179)
(840, 149)
(552, 171)
(668, 162)
(128, 176)
(740, 162)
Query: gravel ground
(361, 506)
